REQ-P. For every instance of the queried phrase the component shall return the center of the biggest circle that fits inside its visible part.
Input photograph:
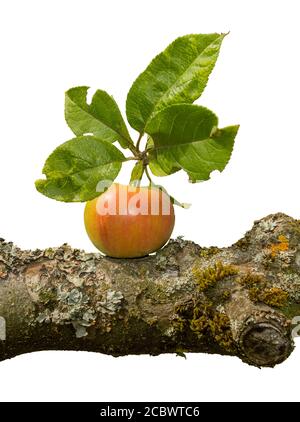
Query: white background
(50, 46)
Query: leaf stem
(131, 158)
(148, 175)
(139, 141)
(133, 149)
(149, 149)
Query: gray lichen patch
(10, 255)
(69, 287)
(80, 326)
(72, 308)
(180, 284)
(59, 300)
(44, 316)
(290, 282)
(112, 302)
(267, 225)
(70, 297)
(167, 263)
(80, 330)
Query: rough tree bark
(236, 301)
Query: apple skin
(135, 234)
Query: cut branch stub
(262, 334)
(265, 342)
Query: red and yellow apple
(129, 222)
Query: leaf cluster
(180, 134)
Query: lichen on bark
(236, 301)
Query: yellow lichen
(251, 279)
(179, 324)
(226, 295)
(199, 325)
(215, 324)
(208, 277)
(207, 252)
(281, 246)
(221, 331)
(199, 317)
(203, 320)
(254, 294)
(273, 297)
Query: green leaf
(186, 136)
(137, 174)
(178, 75)
(154, 165)
(75, 168)
(101, 118)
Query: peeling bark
(236, 301)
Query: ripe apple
(129, 222)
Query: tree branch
(232, 301)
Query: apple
(129, 222)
